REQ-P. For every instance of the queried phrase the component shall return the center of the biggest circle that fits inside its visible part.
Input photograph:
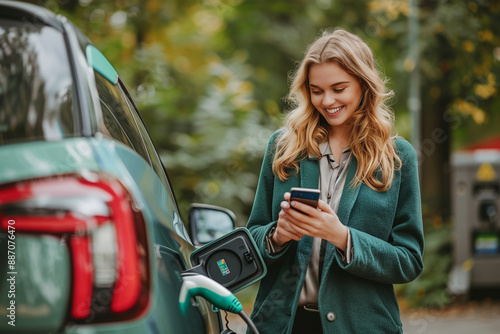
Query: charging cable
(199, 285)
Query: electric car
(91, 238)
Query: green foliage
(460, 65)
(219, 158)
(429, 289)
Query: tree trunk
(434, 152)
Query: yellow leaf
(467, 108)
(485, 35)
(486, 90)
(468, 46)
(479, 116)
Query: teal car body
(91, 239)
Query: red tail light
(104, 231)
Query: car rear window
(36, 86)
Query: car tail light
(104, 230)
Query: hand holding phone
(305, 195)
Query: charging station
(476, 229)
(233, 260)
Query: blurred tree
(458, 88)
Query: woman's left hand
(321, 222)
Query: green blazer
(387, 238)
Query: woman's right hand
(284, 230)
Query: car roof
(25, 11)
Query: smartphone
(305, 195)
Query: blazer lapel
(347, 200)
(309, 173)
(349, 194)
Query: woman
(331, 269)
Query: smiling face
(334, 93)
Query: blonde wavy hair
(371, 140)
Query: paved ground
(476, 317)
